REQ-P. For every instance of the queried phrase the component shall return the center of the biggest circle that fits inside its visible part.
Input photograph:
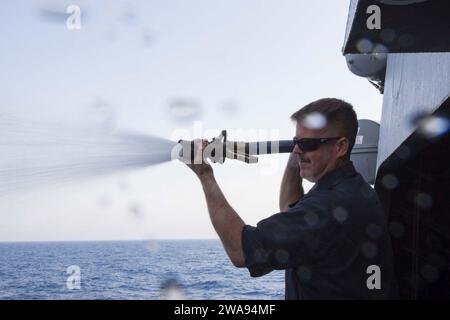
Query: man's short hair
(338, 113)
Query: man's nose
(297, 150)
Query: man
(333, 241)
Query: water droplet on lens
(374, 231)
(152, 245)
(387, 35)
(364, 45)
(110, 35)
(311, 218)
(380, 51)
(124, 185)
(433, 126)
(129, 15)
(184, 109)
(315, 121)
(429, 273)
(396, 229)
(136, 210)
(53, 14)
(304, 273)
(171, 289)
(423, 200)
(403, 152)
(282, 256)
(369, 249)
(148, 39)
(230, 107)
(260, 255)
(340, 214)
(406, 40)
(390, 181)
(100, 115)
(366, 191)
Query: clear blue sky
(267, 57)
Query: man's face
(314, 164)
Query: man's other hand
(200, 164)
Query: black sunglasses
(312, 144)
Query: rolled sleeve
(286, 239)
(256, 259)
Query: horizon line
(104, 240)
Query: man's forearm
(291, 185)
(225, 220)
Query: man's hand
(291, 188)
(200, 164)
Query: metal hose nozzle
(219, 149)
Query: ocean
(142, 270)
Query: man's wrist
(206, 176)
(293, 161)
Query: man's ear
(343, 145)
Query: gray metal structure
(413, 168)
(364, 153)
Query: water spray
(36, 154)
(219, 149)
